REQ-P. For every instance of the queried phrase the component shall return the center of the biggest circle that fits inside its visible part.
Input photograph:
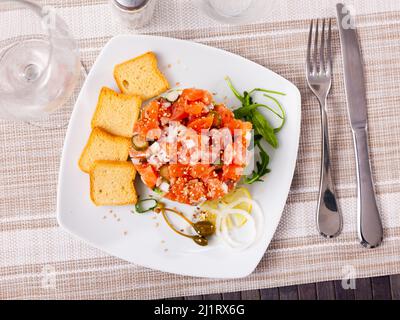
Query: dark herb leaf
(283, 117)
(264, 128)
(262, 167)
(247, 99)
(267, 91)
(246, 110)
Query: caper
(201, 241)
(204, 228)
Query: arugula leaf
(247, 99)
(262, 167)
(264, 128)
(235, 92)
(283, 117)
(267, 91)
(244, 111)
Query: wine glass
(235, 11)
(39, 61)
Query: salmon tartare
(189, 148)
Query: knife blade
(369, 224)
(353, 67)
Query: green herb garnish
(158, 191)
(263, 130)
(262, 166)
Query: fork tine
(316, 48)
(308, 62)
(329, 45)
(322, 50)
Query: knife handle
(370, 229)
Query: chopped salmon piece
(203, 123)
(192, 95)
(196, 191)
(236, 124)
(215, 188)
(148, 174)
(187, 191)
(177, 170)
(148, 120)
(240, 151)
(201, 171)
(178, 109)
(176, 191)
(226, 114)
(195, 108)
(232, 172)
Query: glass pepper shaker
(134, 13)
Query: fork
(319, 79)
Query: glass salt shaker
(134, 13)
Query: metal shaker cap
(130, 5)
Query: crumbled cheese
(155, 148)
(155, 161)
(164, 186)
(163, 156)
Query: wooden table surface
(379, 288)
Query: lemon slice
(236, 219)
(210, 204)
(237, 194)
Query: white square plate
(145, 239)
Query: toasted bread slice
(141, 76)
(103, 146)
(111, 183)
(116, 112)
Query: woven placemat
(40, 260)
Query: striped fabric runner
(40, 260)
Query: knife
(369, 224)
